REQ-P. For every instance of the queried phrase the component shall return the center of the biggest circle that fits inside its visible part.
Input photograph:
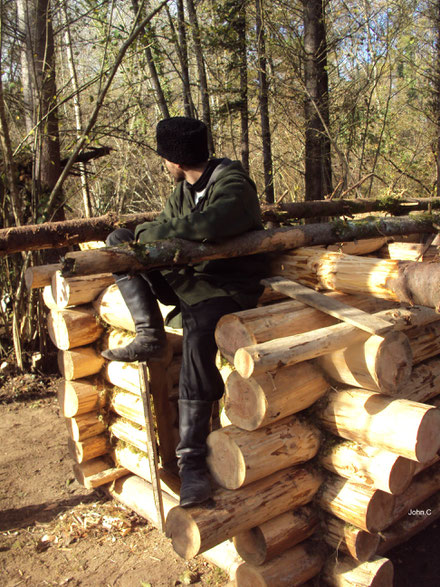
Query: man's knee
(118, 236)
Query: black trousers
(199, 376)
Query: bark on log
(85, 426)
(312, 209)
(74, 291)
(81, 396)
(293, 567)
(97, 472)
(237, 457)
(384, 362)
(137, 494)
(413, 283)
(88, 449)
(425, 514)
(249, 327)
(51, 235)
(344, 537)
(180, 252)
(262, 543)
(368, 509)
(73, 328)
(365, 416)
(197, 529)
(40, 275)
(259, 401)
(79, 362)
(69, 232)
(344, 572)
(369, 466)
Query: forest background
(318, 99)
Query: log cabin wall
(330, 432)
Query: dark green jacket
(229, 208)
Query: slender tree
(201, 70)
(263, 96)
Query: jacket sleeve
(233, 210)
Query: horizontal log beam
(50, 235)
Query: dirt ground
(55, 532)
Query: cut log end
(401, 475)
(244, 363)
(225, 460)
(364, 546)
(379, 511)
(231, 335)
(184, 533)
(245, 402)
(251, 546)
(394, 362)
(428, 443)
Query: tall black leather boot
(150, 339)
(194, 427)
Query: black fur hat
(182, 140)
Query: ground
(54, 532)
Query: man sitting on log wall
(214, 199)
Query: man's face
(175, 170)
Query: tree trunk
(258, 401)
(39, 85)
(203, 82)
(237, 457)
(197, 529)
(317, 156)
(263, 99)
(146, 40)
(262, 543)
(364, 416)
(242, 49)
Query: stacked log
(371, 483)
(330, 445)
